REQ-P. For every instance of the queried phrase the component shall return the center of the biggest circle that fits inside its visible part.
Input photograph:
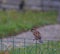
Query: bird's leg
(40, 41)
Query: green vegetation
(50, 47)
(46, 48)
(13, 22)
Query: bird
(37, 35)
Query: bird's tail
(40, 41)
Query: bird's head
(33, 29)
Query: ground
(12, 22)
(50, 32)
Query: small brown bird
(36, 34)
